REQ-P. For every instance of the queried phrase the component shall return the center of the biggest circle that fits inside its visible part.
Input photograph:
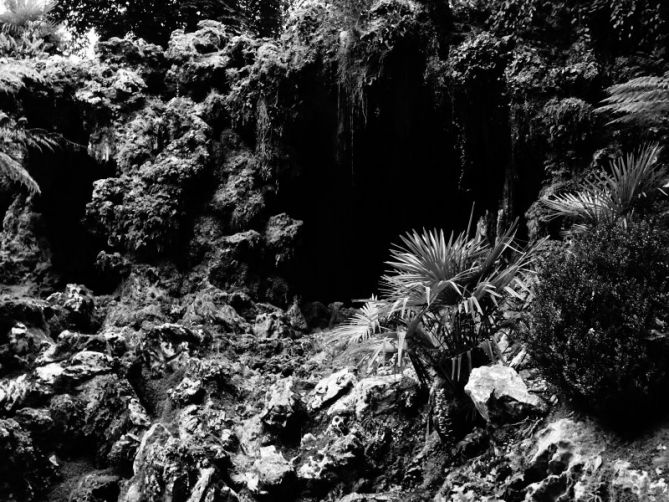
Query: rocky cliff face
(158, 335)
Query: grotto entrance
(358, 189)
(66, 178)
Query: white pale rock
(332, 387)
(364, 393)
(270, 471)
(87, 364)
(499, 394)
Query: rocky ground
(216, 397)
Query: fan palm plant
(25, 27)
(19, 14)
(611, 196)
(443, 302)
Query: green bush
(598, 319)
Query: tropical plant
(26, 28)
(612, 196)
(443, 302)
(19, 14)
(15, 141)
(643, 100)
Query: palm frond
(362, 325)
(19, 13)
(611, 195)
(442, 297)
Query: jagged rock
(37, 421)
(47, 375)
(68, 415)
(79, 302)
(330, 388)
(168, 347)
(271, 473)
(188, 391)
(562, 453)
(87, 364)
(23, 347)
(374, 497)
(25, 472)
(96, 487)
(376, 395)
(122, 453)
(295, 317)
(500, 395)
(111, 409)
(636, 486)
(283, 406)
(14, 392)
(24, 254)
(210, 306)
(271, 325)
(281, 235)
(166, 464)
(335, 459)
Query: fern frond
(643, 99)
(12, 170)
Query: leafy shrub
(600, 312)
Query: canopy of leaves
(154, 20)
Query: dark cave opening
(358, 192)
(66, 177)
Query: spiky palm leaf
(442, 299)
(611, 195)
(643, 99)
(19, 14)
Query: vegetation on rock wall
(237, 168)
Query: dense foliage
(600, 316)
(154, 20)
